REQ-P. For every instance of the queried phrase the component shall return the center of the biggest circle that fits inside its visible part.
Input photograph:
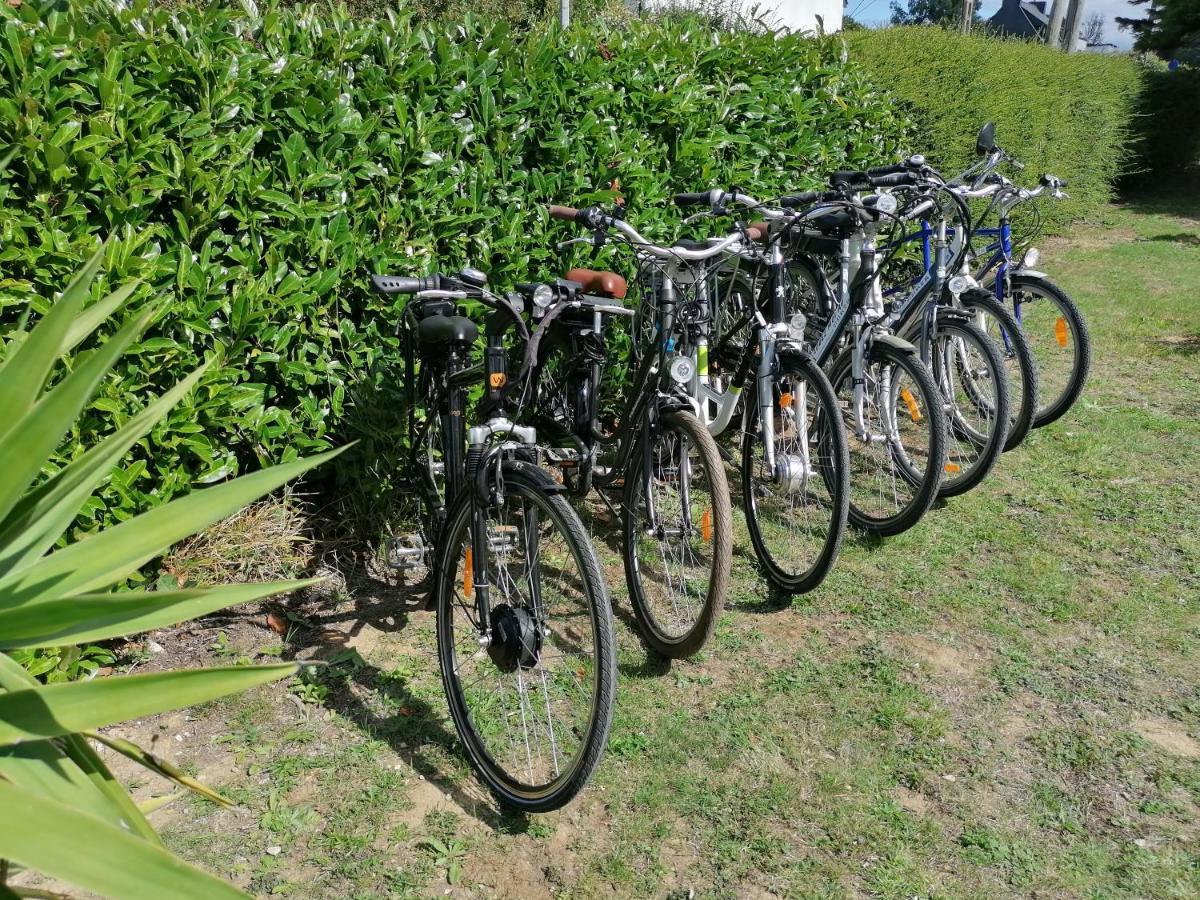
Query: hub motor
(790, 472)
(516, 639)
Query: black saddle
(840, 224)
(447, 329)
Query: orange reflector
(706, 526)
(1060, 331)
(469, 574)
(785, 400)
(953, 467)
(911, 402)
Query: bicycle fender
(669, 403)
(989, 281)
(527, 474)
(793, 351)
(896, 343)
(953, 314)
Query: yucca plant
(61, 811)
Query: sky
(872, 12)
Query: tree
(1168, 27)
(929, 12)
(1092, 32)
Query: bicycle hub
(516, 639)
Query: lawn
(1003, 701)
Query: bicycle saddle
(836, 224)
(447, 329)
(607, 284)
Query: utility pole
(1054, 29)
(564, 13)
(1074, 22)
(964, 23)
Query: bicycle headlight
(1030, 258)
(958, 284)
(885, 203)
(543, 296)
(681, 370)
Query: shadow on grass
(1187, 239)
(416, 731)
(1184, 344)
(1181, 202)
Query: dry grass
(268, 540)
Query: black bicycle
(524, 625)
(649, 446)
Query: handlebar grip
(848, 178)
(697, 198)
(898, 179)
(401, 284)
(563, 212)
(894, 169)
(805, 198)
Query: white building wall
(801, 15)
(798, 15)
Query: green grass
(1000, 702)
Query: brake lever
(695, 217)
(562, 245)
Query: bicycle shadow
(381, 704)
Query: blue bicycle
(1048, 319)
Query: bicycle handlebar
(595, 218)
(568, 213)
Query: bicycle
(794, 466)
(986, 312)
(965, 364)
(1047, 317)
(889, 401)
(677, 529)
(524, 626)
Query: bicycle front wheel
(531, 689)
(998, 323)
(1058, 336)
(970, 374)
(678, 535)
(898, 450)
(796, 509)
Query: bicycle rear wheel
(796, 513)
(532, 701)
(678, 535)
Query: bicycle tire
(687, 640)
(833, 465)
(509, 790)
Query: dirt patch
(1168, 736)
(942, 660)
(915, 803)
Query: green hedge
(254, 169)
(1167, 125)
(1070, 114)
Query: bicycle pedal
(407, 551)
